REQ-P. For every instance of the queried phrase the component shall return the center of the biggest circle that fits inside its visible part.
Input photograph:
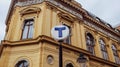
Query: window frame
(91, 46)
(67, 65)
(23, 62)
(115, 54)
(29, 23)
(103, 49)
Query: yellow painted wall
(45, 19)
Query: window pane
(88, 40)
(114, 50)
(103, 49)
(28, 29)
(105, 55)
(116, 57)
(90, 43)
(26, 64)
(25, 32)
(22, 63)
(30, 33)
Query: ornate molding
(35, 50)
(103, 61)
(57, 4)
(66, 16)
(28, 2)
(102, 24)
(101, 30)
(29, 10)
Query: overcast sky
(108, 10)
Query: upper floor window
(90, 43)
(115, 53)
(22, 63)
(68, 39)
(103, 49)
(27, 31)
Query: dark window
(22, 63)
(68, 39)
(103, 49)
(115, 53)
(90, 43)
(28, 29)
(69, 65)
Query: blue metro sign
(60, 29)
(60, 32)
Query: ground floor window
(22, 63)
(69, 65)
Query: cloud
(107, 10)
(4, 5)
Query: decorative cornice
(58, 4)
(27, 41)
(34, 50)
(103, 30)
(88, 18)
(29, 9)
(16, 3)
(103, 61)
(72, 3)
(66, 16)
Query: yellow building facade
(28, 41)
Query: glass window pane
(90, 43)
(25, 32)
(30, 33)
(116, 57)
(28, 29)
(22, 63)
(103, 49)
(26, 64)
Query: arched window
(90, 43)
(103, 49)
(22, 63)
(69, 65)
(27, 31)
(115, 53)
